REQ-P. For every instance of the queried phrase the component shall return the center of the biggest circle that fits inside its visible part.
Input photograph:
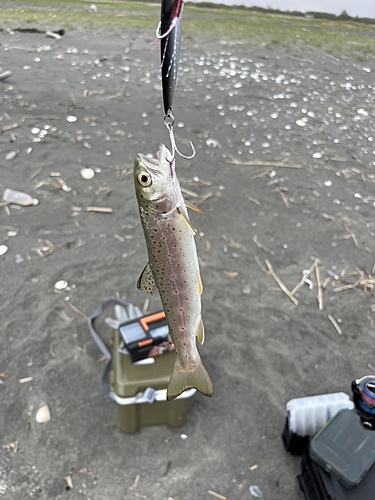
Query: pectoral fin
(193, 207)
(200, 332)
(186, 217)
(146, 281)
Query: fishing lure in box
(142, 334)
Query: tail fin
(182, 379)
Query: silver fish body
(173, 267)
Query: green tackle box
(140, 390)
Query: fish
(172, 266)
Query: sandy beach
(285, 173)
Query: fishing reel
(364, 400)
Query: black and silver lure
(169, 33)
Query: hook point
(169, 121)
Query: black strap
(98, 341)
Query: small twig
(280, 283)
(258, 163)
(37, 172)
(74, 100)
(342, 288)
(25, 380)
(335, 324)
(78, 311)
(259, 262)
(136, 482)
(216, 495)
(145, 306)
(303, 279)
(259, 244)
(320, 289)
(254, 200)
(352, 235)
(189, 193)
(100, 210)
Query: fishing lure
(169, 33)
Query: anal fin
(200, 284)
(146, 281)
(200, 331)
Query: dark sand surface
(237, 103)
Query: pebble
(71, 118)
(87, 173)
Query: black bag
(317, 484)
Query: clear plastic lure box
(307, 415)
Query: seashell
(43, 415)
(87, 173)
(61, 285)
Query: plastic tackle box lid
(344, 448)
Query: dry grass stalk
(320, 288)
(305, 275)
(145, 306)
(259, 244)
(216, 495)
(335, 324)
(258, 163)
(260, 264)
(100, 210)
(280, 283)
(75, 309)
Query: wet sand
(285, 174)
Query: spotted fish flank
(173, 266)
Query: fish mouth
(165, 154)
(152, 162)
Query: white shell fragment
(3, 249)
(11, 155)
(43, 415)
(87, 173)
(71, 118)
(255, 491)
(61, 285)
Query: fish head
(155, 181)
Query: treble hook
(168, 122)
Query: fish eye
(144, 179)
